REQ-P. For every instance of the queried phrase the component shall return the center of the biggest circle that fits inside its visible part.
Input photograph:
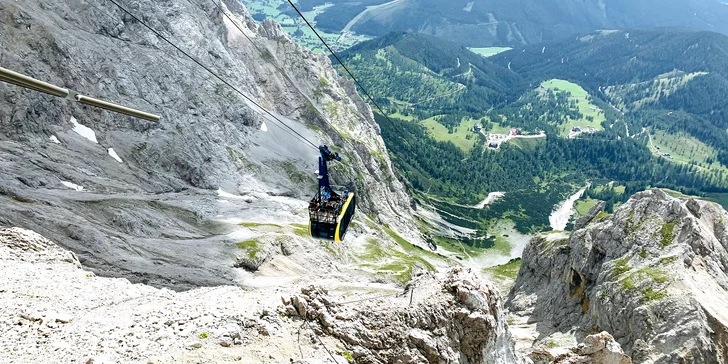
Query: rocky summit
(654, 275)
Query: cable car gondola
(330, 212)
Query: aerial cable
(212, 72)
(261, 52)
(172, 109)
(341, 63)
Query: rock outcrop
(596, 349)
(456, 320)
(52, 310)
(654, 275)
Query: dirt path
(509, 137)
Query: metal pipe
(18, 79)
(116, 108)
(29, 82)
(20, 84)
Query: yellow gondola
(330, 212)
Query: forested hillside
(430, 76)
(654, 89)
(673, 80)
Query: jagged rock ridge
(458, 319)
(654, 274)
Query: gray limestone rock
(458, 319)
(132, 218)
(596, 349)
(654, 275)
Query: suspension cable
(342, 64)
(261, 52)
(158, 34)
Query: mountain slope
(167, 210)
(480, 24)
(681, 72)
(647, 115)
(52, 310)
(633, 56)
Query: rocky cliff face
(128, 196)
(458, 319)
(213, 195)
(654, 275)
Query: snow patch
(563, 212)
(264, 127)
(54, 139)
(432, 215)
(113, 154)
(221, 193)
(72, 185)
(84, 130)
(492, 197)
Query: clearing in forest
(682, 148)
(582, 207)
(489, 51)
(592, 115)
(462, 136)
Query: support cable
(369, 299)
(342, 64)
(31, 83)
(158, 34)
(263, 53)
(320, 341)
(184, 64)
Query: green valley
(319, 14)
(588, 115)
(542, 131)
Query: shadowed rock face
(155, 216)
(653, 274)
